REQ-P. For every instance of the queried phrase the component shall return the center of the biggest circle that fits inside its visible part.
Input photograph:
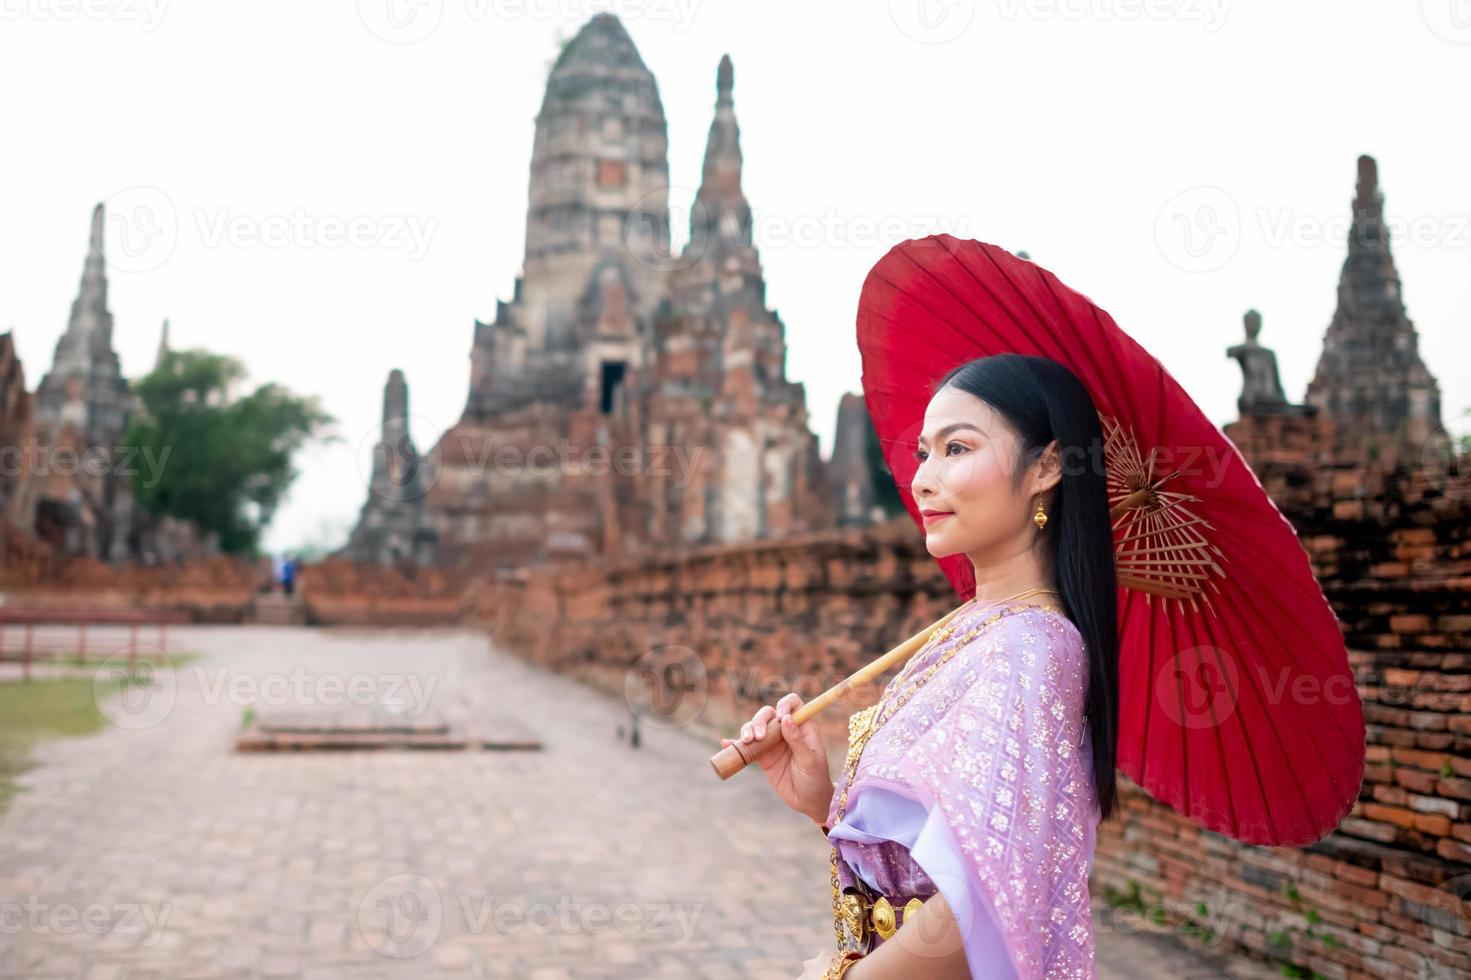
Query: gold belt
(866, 916)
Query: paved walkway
(153, 850)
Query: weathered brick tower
(850, 477)
(393, 525)
(82, 408)
(714, 388)
(1370, 378)
(625, 398)
(15, 429)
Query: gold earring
(1040, 517)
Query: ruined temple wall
(1381, 896)
(753, 619)
(1378, 897)
(209, 590)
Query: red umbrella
(1237, 705)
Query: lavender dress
(980, 787)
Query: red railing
(30, 646)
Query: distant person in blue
(288, 574)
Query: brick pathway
(153, 850)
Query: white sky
(1086, 132)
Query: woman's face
(967, 452)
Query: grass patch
(41, 709)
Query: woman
(964, 822)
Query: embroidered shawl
(981, 787)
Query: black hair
(1044, 400)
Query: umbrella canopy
(1237, 705)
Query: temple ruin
(626, 397)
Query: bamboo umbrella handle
(736, 756)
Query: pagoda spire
(393, 525)
(83, 401)
(163, 345)
(396, 410)
(1370, 379)
(1369, 272)
(85, 383)
(721, 212)
(89, 328)
(397, 464)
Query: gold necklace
(863, 724)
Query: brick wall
(758, 620)
(210, 590)
(339, 592)
(737, 626)
(1381, 897)
(223, 589)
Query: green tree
(219, 461)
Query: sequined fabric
(996, 739)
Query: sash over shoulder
(985, 779)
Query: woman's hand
(796, 766)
